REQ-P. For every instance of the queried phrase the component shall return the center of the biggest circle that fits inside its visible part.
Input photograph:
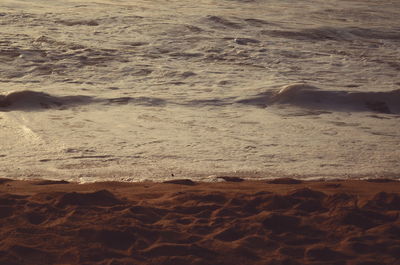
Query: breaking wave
(308, 96)
(300, 95)
(29, 100)
(332, 33)
(34, 100)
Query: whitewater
(126, 90)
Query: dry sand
(232, 222)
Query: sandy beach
(121, 90)
(136, 109)
(285, 221)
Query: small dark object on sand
(381, 180)
(51, 182)
(187, 182)
(284, 181)
(4, 180)
(231, 179)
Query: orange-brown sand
(233, 222)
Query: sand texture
(183, 222)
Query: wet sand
(184, 222)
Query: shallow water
(166, 89)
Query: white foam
(133, 90)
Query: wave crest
(27, 99)
(307, 96)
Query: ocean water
(158, 89)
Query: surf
(31, 100)
(308, 96)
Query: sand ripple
(170, 223)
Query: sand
(183, 222)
